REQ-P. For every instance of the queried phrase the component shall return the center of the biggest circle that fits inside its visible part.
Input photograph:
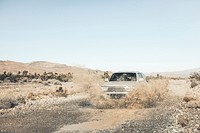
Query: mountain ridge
(45, 66)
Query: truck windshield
(123, 77)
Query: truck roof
(128, 72)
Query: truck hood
(119, 84)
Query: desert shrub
(6, 104)
(182, 120)
(85, 103)
(188, 98)
(57, 83)
(194, 83)
(106, 75)
(11, 103)
(145, 95)
(45, 83)
(60, 92)
(28, 77)
(32, 96)
(195, 79)
(195, 75)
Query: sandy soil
(110, 120)
(61, 114)
(178, 87)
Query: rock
(57, 83)
(193, 104)
(46, 83)
(198, 128)
(34, 81)
(39, 80)
(7, 80)
(182, 120)
(188, 98)
(6, 104)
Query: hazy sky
(145, 35)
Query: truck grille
(112, 89)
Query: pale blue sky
(145, 35)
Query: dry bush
(193, 93)
(192, 97)
(195, 75)
(7, 103)
(25, 76)
(100, 100)
(105, 75)
(92, 87)
(195, 79)
(60, 92)
(34, 96)
(10, 103)
(188, 98)
(182, 120)
(103, 102)
(194, 83)
(31, 96)
(145, 95)
(10, 98)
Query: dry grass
(60, 92)
(13, 95)
(145, 95)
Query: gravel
(173, 115)
(45, 115)
(162, 119)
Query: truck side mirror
(141, 80)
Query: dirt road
(141, 120)
(178, 87)
(72, 116)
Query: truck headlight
(104, 88)
(129, 88)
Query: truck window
(123, 77)
(140, 75)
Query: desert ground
(167, 105)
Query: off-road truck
(121, 83)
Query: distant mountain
(41, 66)
(44, 66)
(184, 73)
